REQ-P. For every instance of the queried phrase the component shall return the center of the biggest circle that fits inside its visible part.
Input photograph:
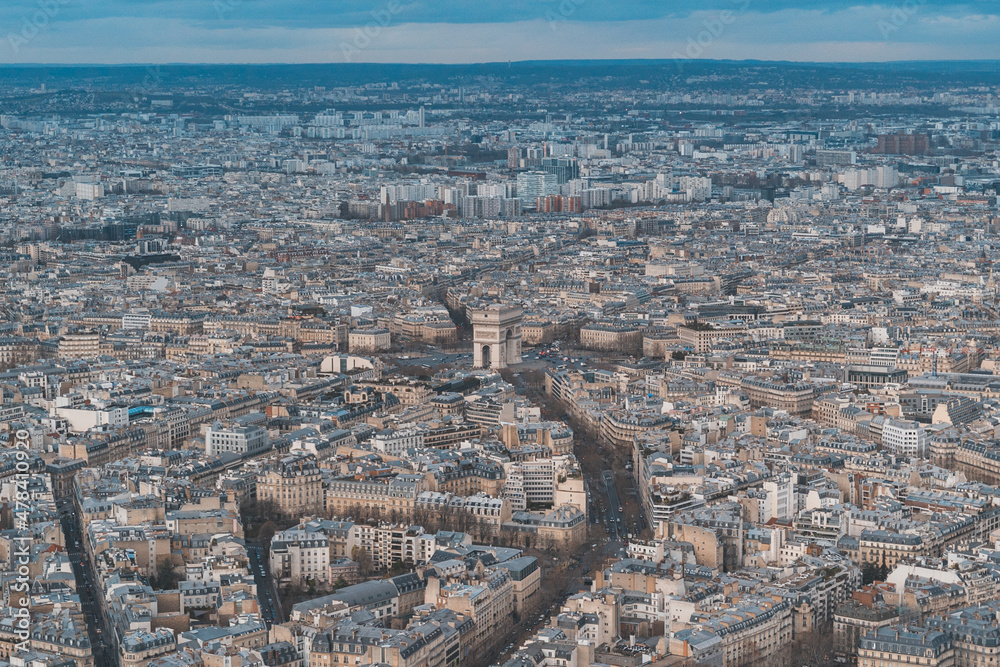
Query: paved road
(553, 358)
(607, 498)
(104, 656)
(526, 628)
(433, 359)
(614, 502)
(267, 591)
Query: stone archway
(496, 336)
(509, 347)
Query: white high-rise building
(534, 184)
(905, 438)
(697, 188)
(780, 496)
(241, 439)
(886, 177)
(136, 319)
(693, 188)
(89, 190)
(530, 482)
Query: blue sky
(458, 31)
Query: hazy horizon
(118, 32)
(568, 62)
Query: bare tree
(265, 536)
(360, 556)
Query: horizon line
(571, 61)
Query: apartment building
(84, 345)
(526, 577)
(247, 440)
(489, 602)
(700, 337)
(529, 483)
(367, 341)
(905, 438)
(396, 442)
(974, 632)
(899, 647)
(395, 496)
(752, 630)
(622, 427)
(388, 544)
(611, 337)
(299, 557)
(853, 619)
(294, 483)
(796, 398)
(883, 547)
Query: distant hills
(640, 73)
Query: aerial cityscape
(533, 363)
